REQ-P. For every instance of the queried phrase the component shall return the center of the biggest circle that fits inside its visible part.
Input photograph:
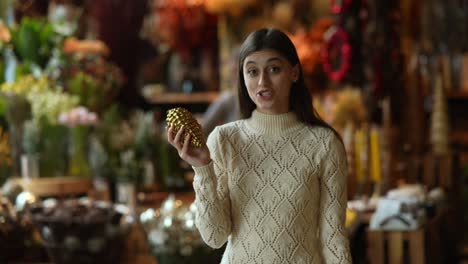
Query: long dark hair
(300, 101)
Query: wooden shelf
(460, 137)
(458, 94)
(181, 98)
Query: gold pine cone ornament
(181, 117)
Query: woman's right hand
(196, 157)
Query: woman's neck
(275, 124)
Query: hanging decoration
(336, 55)
(339, 6)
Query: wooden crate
(420, 246)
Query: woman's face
(268, 77)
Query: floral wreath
(338, 40)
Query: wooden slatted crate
(420, 246)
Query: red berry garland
(338, 41)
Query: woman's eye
(274, 69)
(252, 72)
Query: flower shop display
(40, 100)
(53, 74)
(82, 231)
(173, 236)
(90, 81)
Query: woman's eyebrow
(269, 60)
(274, 59)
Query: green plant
(34, 40)
(86, 88)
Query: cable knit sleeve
(333, 200)
(212, 196)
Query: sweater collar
(273, 124)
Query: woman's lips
(265, 94)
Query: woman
(273, 185)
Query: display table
(55, 186)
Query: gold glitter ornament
(181, 117)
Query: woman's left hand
(196, 157)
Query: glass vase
(29, 166)
(78, 152)
(53, 153)
(126, 194)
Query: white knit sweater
(275, 191)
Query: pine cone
(178, 117)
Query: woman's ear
(295, 73)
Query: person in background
(273, 184)
(225, 108)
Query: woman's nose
(264, 78)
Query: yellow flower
(26, 85)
